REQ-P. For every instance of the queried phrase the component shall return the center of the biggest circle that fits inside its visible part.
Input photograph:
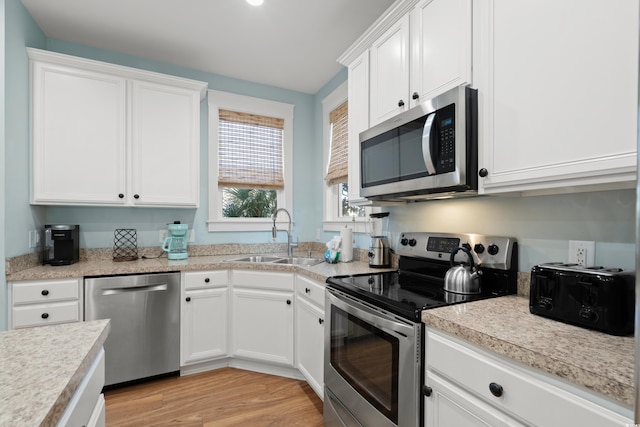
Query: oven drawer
(518, 391)
(311, 290)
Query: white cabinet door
(441, 43)
(310, 344)
(389, 84)
(204, 325)
(559, 94)
(165, 144)
(79, 136)
(358, 121)
(263, 326)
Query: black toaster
(599, 298)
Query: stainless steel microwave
(429, 151)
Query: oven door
(373, 365)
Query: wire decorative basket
(125, 244)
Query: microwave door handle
(426, 144)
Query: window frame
(230, 101)
(331, 220)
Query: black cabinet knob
(401, 103)
(426, 390)
(307, 290)
(121, 196)
(206, 280)
(288, 302)
(321, 321)
(496, 389)
(483, 173)
(45, 315)
(187, 299)
(44, 292)
(415, 95)
(136, 196)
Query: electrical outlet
(582, 252)
(34, 238)
(192, 236)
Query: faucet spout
(274, 230)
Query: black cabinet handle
(136, 196)
(288, 302)
(121, 196)
(415, 95)
(426, 390)
(401, 103)
(321, 321)
(496, 389)
(187, 299)
(206, 280)
(44, 292)
(307, 290)
(45, 315)
(483, 173)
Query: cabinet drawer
(262, 280)
(45, 291)
(311, 290)
(522, 392)
(205, 279)
(45, 314)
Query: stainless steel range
(373, 339)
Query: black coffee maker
(61, 244)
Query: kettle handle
(165, 244)
(465, 250)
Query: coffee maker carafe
(176, 242)
(379, 245)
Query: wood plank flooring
(220, 398)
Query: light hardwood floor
(223, 397)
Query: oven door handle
(376, 318)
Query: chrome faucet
(274, 231)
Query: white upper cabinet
(441, 52)
(358, 121)
(389, 64)
(558, 95)
(106, 135)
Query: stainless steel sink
(299, 261)
(270, 259)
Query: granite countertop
(600, 362)
(41, 368)
(318, 272)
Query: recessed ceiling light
(255, 2)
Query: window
(250, 159)
(338, 211)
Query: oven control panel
(487, 251)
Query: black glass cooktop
(404, 294)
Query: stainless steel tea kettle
(462, 279)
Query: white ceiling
(291, 44)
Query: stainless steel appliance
(61, 244)
(428, 151)
(374, 334)
(599, 298)
(145, 323)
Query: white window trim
(247, 104)
(332, 222)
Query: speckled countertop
(597, 361)
(41, 368)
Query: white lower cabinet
(262, 316)
(45, 302)
(465, 385)
(310, 332)
(205, 301)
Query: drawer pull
(187, 299)
(44, 292)
(45, 315)
(288, 302)
(496, 389)
(207, 280)
(427, 390)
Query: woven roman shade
(250, 151)
(338, 168)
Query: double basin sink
(270, 259)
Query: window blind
(338, 168)
(250, 151)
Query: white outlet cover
(589, 247)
